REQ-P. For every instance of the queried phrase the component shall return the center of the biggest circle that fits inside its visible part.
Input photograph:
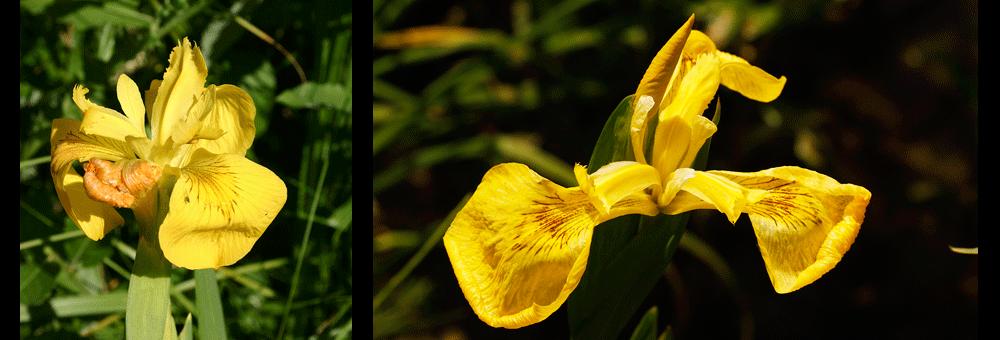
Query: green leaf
(211, 323)
(36, 284)
(186, 332)
(646, 330)
(310, 95)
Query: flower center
(118, 184)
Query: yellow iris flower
(189, 184)
(520, 245)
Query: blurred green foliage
(297, 282)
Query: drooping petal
(95, 218)
(804, 220)
(614, 182)
(750, 81)
(520, 245)
(737, 74)
(219, 207)
(183, 83)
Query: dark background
(882, 94)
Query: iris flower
(520, 245)
(191, 187)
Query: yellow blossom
(520, 245)
(189, 183)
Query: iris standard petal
(219, 207)
(233, 112)
(804, 221)
(520, 245)
(661, 70)
(183, 83)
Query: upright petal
(682, 129)
(219, 207)
(520, 245)
(661, 70)
(233, 113)
(183, 82)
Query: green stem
(148, 303)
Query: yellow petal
(639, 125)
(682, 129)
(183, 83)
(102, 121)
(750, 81)
(698, 43)
(804, 221)
(708, 190)
(615, 181)
(219, 207)
(232, 118)
(520, 245)
(657, 77)
(95, 218)
(131, 100)
(674, 183)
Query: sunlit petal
(102, 121)
(132, 104)
(183, 84)
(520, 245)
(615, 181)
(804, 221)
(219, 207)
(95, 218)
(661, 70)
(640, 125)
(707, 190)
(750, 81)
(233, 114)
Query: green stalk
(211, 322)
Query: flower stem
(148, 303)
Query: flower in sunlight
(520, 245)
(191, 187)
